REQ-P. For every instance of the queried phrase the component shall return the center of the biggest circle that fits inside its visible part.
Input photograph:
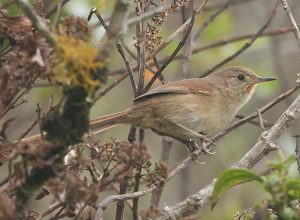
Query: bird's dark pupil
(240, 77)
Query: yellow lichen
(74, 63)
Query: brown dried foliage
(153, 28)
(74, 27)
(24, 59)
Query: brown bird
(192, 108)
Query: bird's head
(239, 79)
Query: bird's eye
(241, 77)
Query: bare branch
(221, 4)
(184, 27)
(115, 28)
(129, 69)
(189, 44)
(54, 9)
(145, 15)
(103, 92)
(167, 143)
(246, 45)
(58, 8)
(219, 43)
(141, 47)
(180, 45)
(211, 18)
(36, 20)
(260, 120)
(95, 11)
(292, 20)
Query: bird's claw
(194, 157)
(205, 149)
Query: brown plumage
(185, 108)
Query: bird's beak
(265, 79)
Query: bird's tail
(110, 120)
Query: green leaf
(285, 165)
(231, 178)
(289, 161)
(293, 186)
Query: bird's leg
(191, 145)
(193, 148)
(202, 137)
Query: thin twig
(157, 65)
(102, 92)
(246, 45)
(221, 4)
(167, 143)
(126, 47)
(114, 198)
(141, 60)
(182, 29)
(224, 42)
(120, 204)
(124, 182)
(218, 43)
(141, 47)
(292, 20)
(180, 45)
(260, 120)
(137, 178)
(189, 43)
(145, 15)
(54, 9)
(36, 20)
(95, 11)
(58, 8)
(211, 18)
(129, 69)
(13, 104)
(52, 208)
(266, 124)
(114, 30)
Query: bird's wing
(188, 86)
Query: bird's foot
(192, 146)
(205, 149)
(194, 151)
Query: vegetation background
(276, 56)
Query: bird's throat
(250, 88)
